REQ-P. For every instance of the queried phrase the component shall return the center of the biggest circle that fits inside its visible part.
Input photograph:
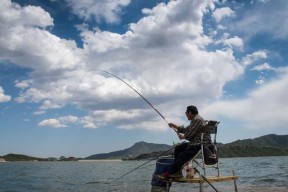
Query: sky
(227, 57)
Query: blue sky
(229, 58)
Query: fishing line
(154, 109)
(164, 120)
(145, 163)
(138, 94)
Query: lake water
(256, 174)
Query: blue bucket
(162, 165)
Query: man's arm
(192, 129)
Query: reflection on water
(256, 174)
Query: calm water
(256, 174)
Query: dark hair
(192, 109)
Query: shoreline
(100, 160)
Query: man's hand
(172, 125)
(181, 136)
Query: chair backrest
(213, 126)
(208, 151)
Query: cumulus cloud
(251, 58)
(23, 84)
(230, 41)
(3, 97)
(234, 41)
(25, 34)
(163, 56)
(39, 112)
(51, 123)
(109, 11)
(168, 40)
(220, 13)
(259, 16)
(262, 67)
(60, 122)
(48, 104)
(260, 80)
(13, 15)
(264, 108)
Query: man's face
(189, 115)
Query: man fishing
(187, 150)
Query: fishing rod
(139, 95)
(206, 179)
(165, 121)
(153, 108)
(145, 163)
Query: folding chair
(202, 161)
(210, 159)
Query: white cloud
(69, 119)
(51, 123)
(234, 41)
(264, 1)
(48, 104)
(39, 112)
(251, 58)
(23, 84)
(262, 67)
(88, 122)
(230, 42)
(220, 13)
(109, 11)
(13, 15)
(103, 41)
(168, 40)
(260, 81)
(58, 122)
(264, 108)
(163, 56)
(259, 20)
(3, 97)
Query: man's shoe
(176, 175)
(163, 176)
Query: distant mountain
(271, 140)
(268, 145)
(137, 149)
(251, 151)
(19, 157)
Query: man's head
(191, 111)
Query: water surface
(256, 174)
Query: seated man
(186, 151)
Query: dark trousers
(182, 154)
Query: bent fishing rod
(138, 94)
(164, 120)
(153, 108)
(147, 162)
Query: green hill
(135, 150)
(19, 157)
(271, 140)
(268, 145)
(250, 151)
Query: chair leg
(168, 186)
(201, 187)
(235, 184)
